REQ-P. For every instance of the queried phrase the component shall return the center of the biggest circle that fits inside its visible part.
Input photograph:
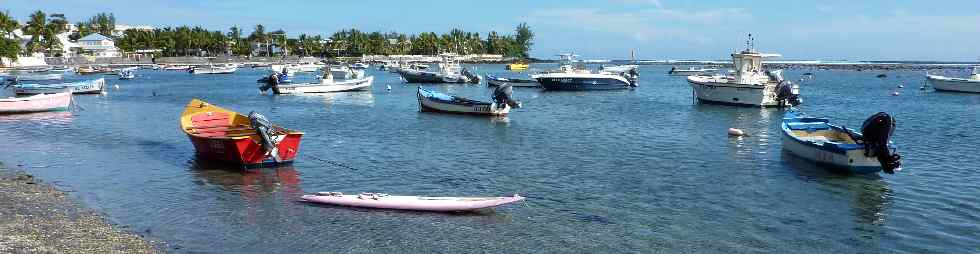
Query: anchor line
(331, 162)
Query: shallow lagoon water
(642, 170)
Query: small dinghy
(225, 135)
(326, 85)
(417, 203)
(433, 101)
(35, 103)
(498, 81)
(817, 140)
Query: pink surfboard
(385, 201)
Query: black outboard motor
(473, 78)
(504, 95)
(877, 131)
(272, 81)
(265, 130)
(785, 95)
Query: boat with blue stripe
(836, 147)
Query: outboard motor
(266, 131)
(633, 76)
(472, 78)
(504, 95)
(271, 82)
(784, 94)
(877, 131)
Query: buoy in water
(116, 86)
(895, 93)
(735, 132)
(389, 87)
(922, 88)
(901, 86)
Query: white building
(98, 45)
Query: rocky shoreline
(35, 217)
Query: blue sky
(656, 29)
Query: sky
(653, 29)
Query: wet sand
(35, 217)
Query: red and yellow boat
(228, 136)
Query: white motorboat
(360, 66)
(341, 71)
(751, 85)
(214, 69)
(691, 71)
(450, 71)
(968, 85)
(573, 75)
(326, 85)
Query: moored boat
(449, 71)
(35, 77)
(35, 103)
(214, 69)
(360, 66)
(967, 85)
(819, 141)
(433, 101)
(518, 66)
(690, 71)
(224, 135)
(416, 203)
(515, 82)
(750, 85)
(326, 85)
(94, 86)
(572, 75)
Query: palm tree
(9, 47)
(35, 27)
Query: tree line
(197, 41)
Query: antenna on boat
(750, 43)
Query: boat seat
(808, 126)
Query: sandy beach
(38, 218)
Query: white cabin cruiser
(968, 85)
(750, 85)
(573, 75)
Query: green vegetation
(9, 46)
(197, 41)
(184, 41)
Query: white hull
(692, 72)
(712, 91)
(215, 70)
(843, 160)
(82, 87)
(954, 84)
(332, 87)
(431, 105)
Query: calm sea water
(643, 170)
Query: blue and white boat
(434, 101)
(94, 86)
(572, 75)
(819, 141)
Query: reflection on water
(45, 118)
(265, 192)
(870, 194)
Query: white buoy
(116, 86)
(895, 93)
(735, 132)
(901, 86)
(389, 87)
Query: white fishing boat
(751, 85)
(967, 85)
(35, 103)
(326, 85)
(94, 86)
(214, 69)
(819, 141)
(691, 71)
(341, 71)
(360, 66)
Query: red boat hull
(247, 151)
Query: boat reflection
(363, 98)
(870, 195)
(268, 192)
(47, 118)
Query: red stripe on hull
(244, 151)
